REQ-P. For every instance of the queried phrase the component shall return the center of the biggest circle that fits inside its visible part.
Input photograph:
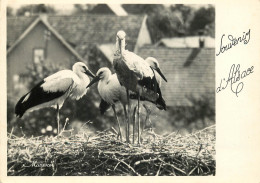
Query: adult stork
(53, 90)
(136, 75)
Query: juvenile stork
(53, 90)
(136, 75)
(111, 91)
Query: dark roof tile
(82, 31)
(16, 26)
(196, 78)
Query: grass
(102, 154)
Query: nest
(103, 154)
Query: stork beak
(94, 80)
(120, 43)
(89, 73)
(161, 74)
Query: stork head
(80, 67)
(121, 34)
(102, 73)
(154, 64)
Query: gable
(90, 30)
(82, 31)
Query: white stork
(111, 91)
(136, 75)
(53, 90)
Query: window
(38, 55)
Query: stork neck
(122, 46)
(82, 75)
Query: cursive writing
(233, 41)
(234, 79)
(36, 164)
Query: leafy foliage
(143, 8)
(83, 8)
(35, 9)
(204, 19)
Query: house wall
(22, 55)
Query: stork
(54, 89)
(111, 92)
(136, 75)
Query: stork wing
(59, 82)
(137, 65)
(35, 97)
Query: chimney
(201, 39)
(43, 12)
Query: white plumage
(110, 91)
(136, 75)
(53, 90)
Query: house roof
(187, 42)
(16, 26)
(82, 31)
(117, 9)
(108, 50)
(53, 31)
(188, 71)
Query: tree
(204, 19)
(164, 24)
(83, 8)
(35, 10)
(143, 8)
(163, 21)
(185, 15)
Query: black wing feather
(37, 96)
(103, 106)
(153, 85)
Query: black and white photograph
(138, 91)
(111, 90)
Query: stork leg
(126, 118)
(58, 118)
(129, 116)
(148, 113)
(134, 124)
(119, 128)
(138, 118)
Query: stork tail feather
(20, 108)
